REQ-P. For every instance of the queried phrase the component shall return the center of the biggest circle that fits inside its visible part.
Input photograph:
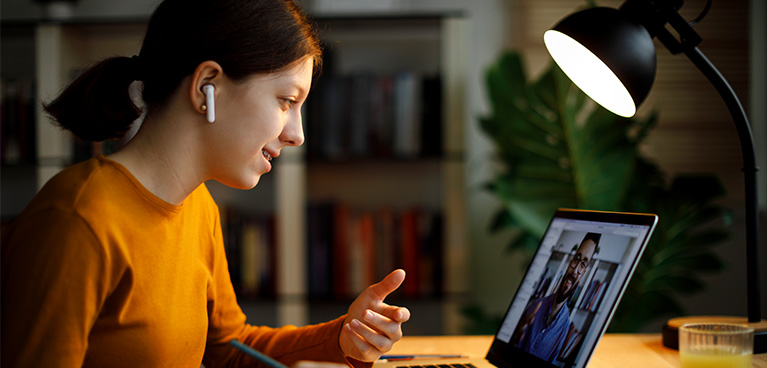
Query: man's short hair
(593, 237)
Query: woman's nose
(293, 133)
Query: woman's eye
(288, 102)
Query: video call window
(569, 283)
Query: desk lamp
(609, 54)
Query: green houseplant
(556, 148)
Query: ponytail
(244, 37)
(97, 105)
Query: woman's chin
(243, 184)
(253, 183)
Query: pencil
(420, 356)
(257, 354)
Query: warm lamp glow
(589, 73)
(620, 79)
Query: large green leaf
(558, 149)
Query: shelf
(374, 185)
(384, 18)
(364, 53)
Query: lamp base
(671, 329)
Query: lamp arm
(749, 171)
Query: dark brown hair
(245, 37)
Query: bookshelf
(18, 154)
(376, 169)
(62, 50)
(429, 179)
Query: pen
(420, 356)
(257, 354)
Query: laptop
(568, 294)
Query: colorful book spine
(355, 248)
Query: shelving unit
(62, 51)
(18, 153)
(433, 44)
(369, 179)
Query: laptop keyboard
(454, 365)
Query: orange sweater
(99, 272)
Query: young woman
(119, 260)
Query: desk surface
(614, 350)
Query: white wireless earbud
(210, 101)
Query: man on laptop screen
(568, 293)
(544, 325)
(572, 287)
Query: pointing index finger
(394, 313)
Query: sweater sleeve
(54, 281)
(288, 344)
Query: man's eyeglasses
(579, 264)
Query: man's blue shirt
(540, 340)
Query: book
(320, 242)
(250, 247)
(340, 256)
(597, 299)
(17, 129)
(359, 115)
(351, 248)
(250, 259)
(411, 253)
(375, 115)
(570, 344)
(407, 112)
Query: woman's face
(255, 119)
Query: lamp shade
(609, 56)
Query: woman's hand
(371, 326)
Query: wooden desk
(614, 350)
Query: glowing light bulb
(589, 73)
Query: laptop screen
(571, 289)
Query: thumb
(389, 283)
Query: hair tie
(137, 67)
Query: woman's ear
(207, 73)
